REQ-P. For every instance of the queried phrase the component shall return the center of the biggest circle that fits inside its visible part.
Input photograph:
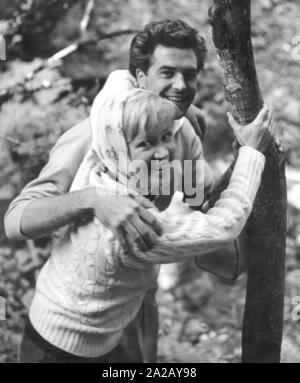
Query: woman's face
(154, 146)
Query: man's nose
(161, 153)
(179, 82)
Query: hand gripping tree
(266, 228)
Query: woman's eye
(168, 137)
(143, 144)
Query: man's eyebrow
(185, 69)
(167, 67)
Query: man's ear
(141, 78)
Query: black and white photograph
(149, 184)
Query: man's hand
(258, 134)
(195, 117)
(128, 218)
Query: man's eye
(167, 73)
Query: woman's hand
(258, 134)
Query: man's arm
(45, 205)
(118, 213)
(26, 212)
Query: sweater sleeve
(190, 233)
(55, 178)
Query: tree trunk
(266, 228)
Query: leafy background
(201, 315)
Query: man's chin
(180, 111)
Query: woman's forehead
(154, 126)
(150, 121)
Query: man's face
(172, 75)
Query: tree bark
(266, 228)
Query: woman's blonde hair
(142, 112)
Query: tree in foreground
(265, 232)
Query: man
(165, 58)
(168, 67)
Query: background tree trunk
(266, 228)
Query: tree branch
(87, 15)
(54, 60)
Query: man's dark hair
(169, 33)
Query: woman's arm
(188, 234)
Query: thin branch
(7, 94)
(87, 40)
(104, 36)
(86, 17)
(62, 53)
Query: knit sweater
(85, 298)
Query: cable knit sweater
(84, 298)
(90, 290)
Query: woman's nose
(161, 153)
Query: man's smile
(176, 99)
(180, 101)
